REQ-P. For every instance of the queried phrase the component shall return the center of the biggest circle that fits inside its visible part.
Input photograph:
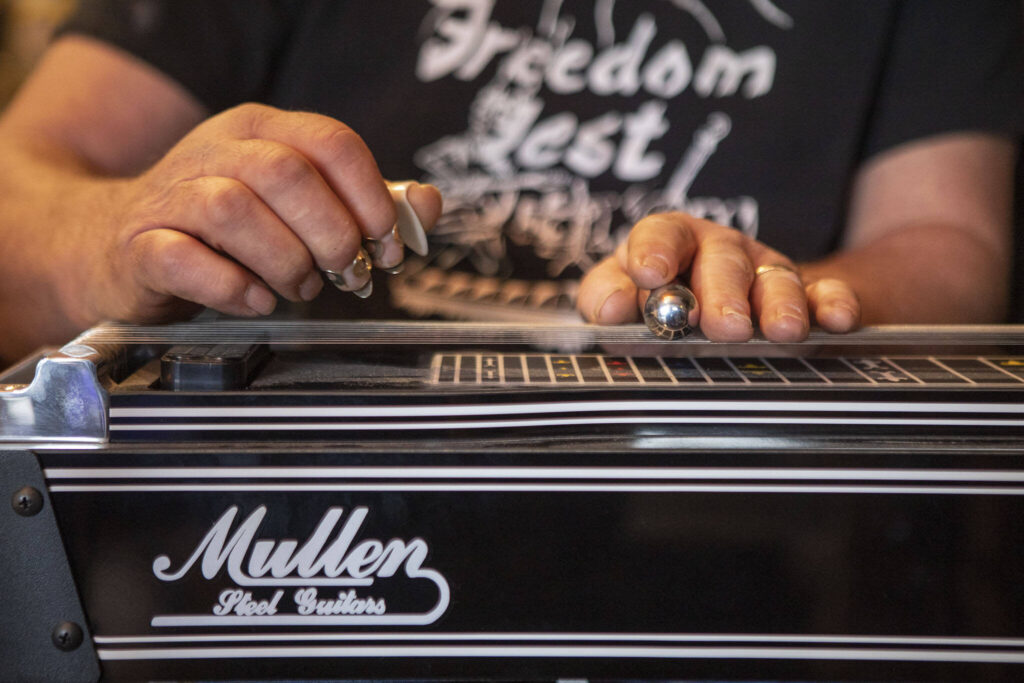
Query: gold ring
(761, 270)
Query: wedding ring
(761, 270)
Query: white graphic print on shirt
(521, 172)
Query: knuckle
(675, 230)
(742, 265)
(726, 256)
(170, 259)
(658, 223)
(678, 217)
(343, 144)
(284, 167)
(250, 113)
(227, 202)
(730, 237)
(162, 260)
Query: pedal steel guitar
(232, 500)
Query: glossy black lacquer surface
(553, 563)
(523, 515)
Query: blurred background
(25, 28)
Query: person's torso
(551, 127)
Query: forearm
(48, 196)
(928, 235)
(86, 116)
(924, 273)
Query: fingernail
(388, 252)
(599, 309)
(656, 263)
(355, 277)
(736, 314)
(311, 286)
(839, 313)
(788, 327)
(843, 307)
(793, 313)
(260, 299)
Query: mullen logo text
(332, 557)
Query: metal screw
(27, 501)
(67, 636)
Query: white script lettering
(273, 562)
(237, 601)
(347, 603)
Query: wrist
(84, 243)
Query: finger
(426, 202)
(721, 277)
(293, 188)
(608, 295)
(229, 217)
(779, 302)
(172, 263)
(834, 305)
(659, 248)
(417, 207)
(337, 152)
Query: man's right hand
(252, 200)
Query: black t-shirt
(553, 126)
